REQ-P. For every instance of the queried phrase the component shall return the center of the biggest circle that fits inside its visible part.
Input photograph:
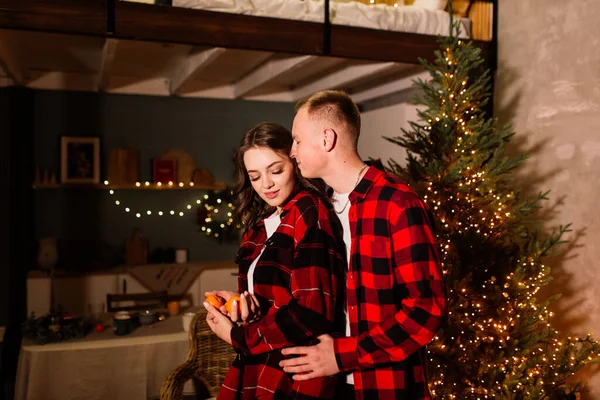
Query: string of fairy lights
(474, 206)
(213, 217)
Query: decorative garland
(141, 213)
(216, 216)
(215, 213)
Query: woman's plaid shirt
(298, 279)
(395, 292)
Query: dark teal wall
(89, 225)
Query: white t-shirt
(341, 201)
(271, 224)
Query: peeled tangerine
(215, 301)
(229, 303)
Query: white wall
(78, 294)
(387, 121)
(548, 87)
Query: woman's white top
(271, 224)
(342, 208)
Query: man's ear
(329, 139)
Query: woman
(291, 266)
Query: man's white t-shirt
(271, 224)
(341, 200)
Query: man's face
(308, 149)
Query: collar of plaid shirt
(365, 184)
(284, 210)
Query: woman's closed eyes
(276, 172)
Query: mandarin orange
(215, 301)
(229, 303)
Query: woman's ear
(329, 139)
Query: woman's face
(271, 174)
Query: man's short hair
(335, 106)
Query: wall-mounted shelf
(141, 186)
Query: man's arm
(418, 276)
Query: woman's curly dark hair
(250, 208)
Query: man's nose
(293, 151)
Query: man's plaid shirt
(395, 291)
(299, 281)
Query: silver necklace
(354, 187)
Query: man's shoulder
(388, 187)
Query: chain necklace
(354, 187)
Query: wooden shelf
(142, 186)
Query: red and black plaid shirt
(395, 292)
(297, 279)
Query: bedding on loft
(427, 19)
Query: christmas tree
(498, 342)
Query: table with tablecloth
(103, 365)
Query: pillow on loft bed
(352, 13)
(460, 7)
(298, 10)
(384, 17)
(375, 16)
(302, 10)
(430, 4)
(374, 2)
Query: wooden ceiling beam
(192, 66)
(342, 78)
(57, 80)
(8, 60)
(106, 63)
(381, 45)
(64, 16)
(388, 88)
(269, 71)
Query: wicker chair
(208, 360)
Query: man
(395, 292)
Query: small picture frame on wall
(80, 159)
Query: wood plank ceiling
(89, 63)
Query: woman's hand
(248, 309)
(225, 295)
(218, 323)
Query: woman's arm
(311, 310)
